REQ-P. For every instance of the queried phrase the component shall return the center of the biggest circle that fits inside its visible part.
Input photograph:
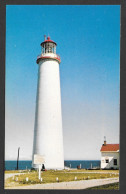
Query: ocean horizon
(27, 164)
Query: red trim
(48, 40)
(48, 57)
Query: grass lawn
(15, 171)
(63, 176)
(114, 186)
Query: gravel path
(70, 185)
(6, 176)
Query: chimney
(104, 140)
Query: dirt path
(6, 176)
(69, 185)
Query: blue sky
(88, 39)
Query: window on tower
(48, 47)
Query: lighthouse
(48, 134)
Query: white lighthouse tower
(48, 136)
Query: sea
(27, 164)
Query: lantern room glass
(48, 47)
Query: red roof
(48, 40)
(110, 148)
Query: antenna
(104, 140)
(44, 37)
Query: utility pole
(18, 157)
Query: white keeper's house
(109, 156)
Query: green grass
(113, 186)
(15, 171)
(63, 176)
(102, 171)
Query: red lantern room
(48, 50)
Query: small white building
(109, 156)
